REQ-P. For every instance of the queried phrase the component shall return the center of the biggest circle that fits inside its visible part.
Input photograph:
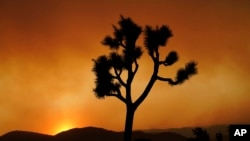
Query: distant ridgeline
(100, 134)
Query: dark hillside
(89, 134)
(25, 136)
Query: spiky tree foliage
(123, 60)
(201, 134)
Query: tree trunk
(129, 123)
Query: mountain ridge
(91, 133)
(187, 131)
(88, 134)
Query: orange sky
(46, 47)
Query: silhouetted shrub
(200, 135)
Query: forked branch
(118, 95)
(118, 77)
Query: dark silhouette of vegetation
(118, 69)
(200, 135)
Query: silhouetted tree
(119, 68)
(200, 135)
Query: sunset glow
(47, 47)
(63, 127)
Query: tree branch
(122, 45)
(145, 92)
(169, 80)
(118, 95)
(151, 81)
(157, 56)
(118, 77)
(161, 62)
(136, 67)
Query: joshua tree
(118, 69)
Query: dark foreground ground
(100, 134)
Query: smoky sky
(46, 48)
